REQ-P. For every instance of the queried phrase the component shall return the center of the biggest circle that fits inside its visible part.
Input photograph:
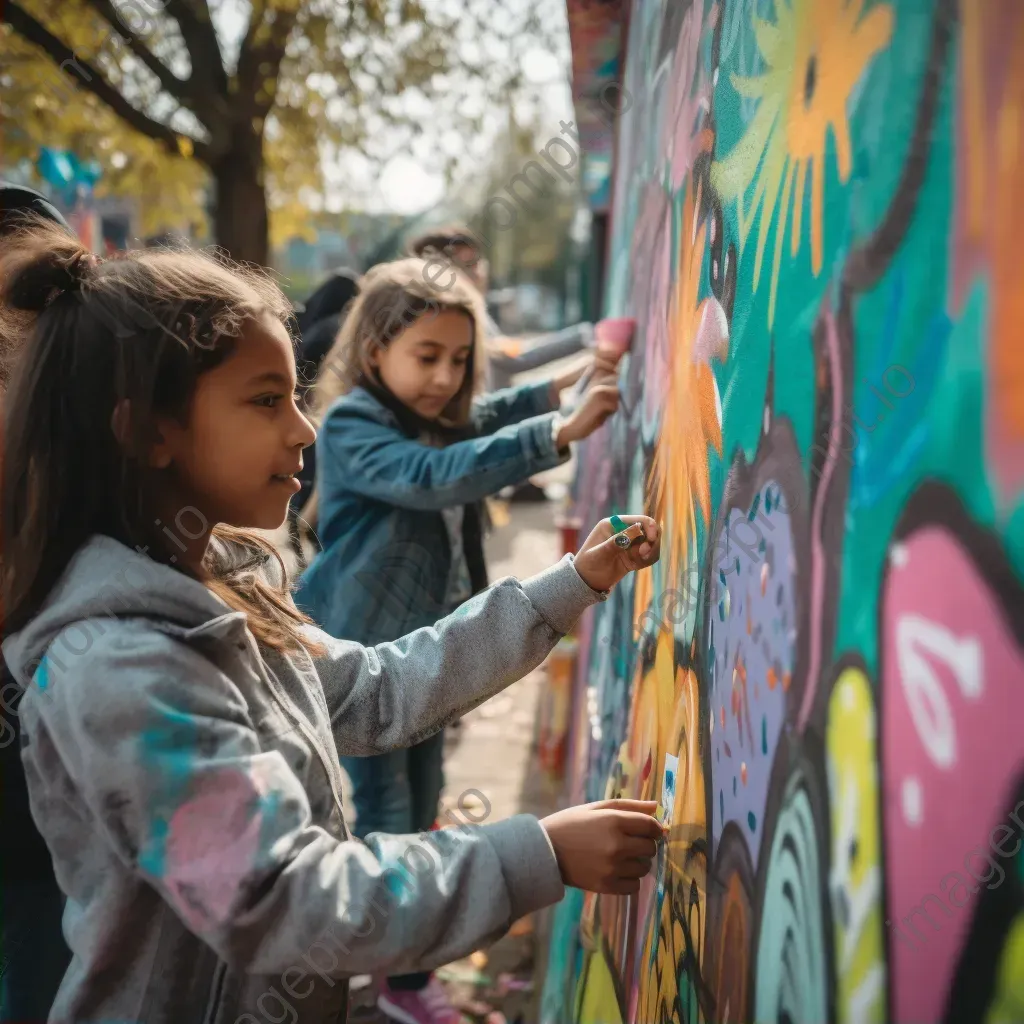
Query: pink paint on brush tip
(615, 333)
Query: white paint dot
(913, 801)
(899, 556)
(849, 698)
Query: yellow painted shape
(1007, 1005)
(814, 54)
(856, 873)
(597, 1001)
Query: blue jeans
(398, 793)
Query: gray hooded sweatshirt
(187, 784)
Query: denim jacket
(186, 781)
(386, 554)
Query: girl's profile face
(236, 458)
(425, 365)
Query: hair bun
(38, 282)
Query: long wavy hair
(89, 337)
(392, 297)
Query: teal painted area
(168, 754)
(903, 321)
(561, 956)
(153, 855)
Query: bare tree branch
(262, 52)
(90, 78)
(196, 27)
(183, 90)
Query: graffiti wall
(816, 212)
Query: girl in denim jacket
(405, 458)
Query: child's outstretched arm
(153, 745)
(498, 409)
(501, 408)
(397, 693)
(168, 766)
(379, 462)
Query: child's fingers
(646, 554)
(651, 527)
(640, 847)
(640, 556)
(641, 826)
(622, 804)
(652, 531)
(633, 868)
(623, 887)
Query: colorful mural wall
(817, 221)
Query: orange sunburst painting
(815, 53)
(691, 420)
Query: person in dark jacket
(319, 322)
(33, 955)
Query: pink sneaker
(428, 1005)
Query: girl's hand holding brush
(599, 402)
(600, 367)
(602, 560)
(607, 846)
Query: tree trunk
(240, 220)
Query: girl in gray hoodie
(182, 721)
